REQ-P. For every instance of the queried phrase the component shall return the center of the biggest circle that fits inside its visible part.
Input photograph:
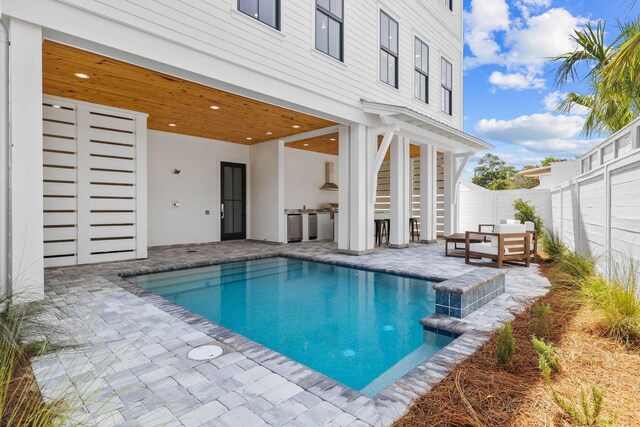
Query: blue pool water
(358, 327)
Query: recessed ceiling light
(268, 133)
(173, 125)
(332, 139)
(248, 138)
(306, 145)
(214, 107)
(56, 106)
(81, 75)
(295, 126)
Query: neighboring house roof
(415, 122)
(470, 186)
(535, 172)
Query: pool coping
(382, 409)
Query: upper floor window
(421, 78)
(329, 31)
(266, 11)
(449, 4)
(388, 49)
(447, 86)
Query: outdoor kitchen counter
(308, 211)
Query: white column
(399, 233)
(360, 212)
(356, 211)
(428, 193)
(450, 211)
(26, 220)
(342, 224)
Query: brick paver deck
(129, 362)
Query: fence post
(607, 219)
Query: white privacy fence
(598, 213)
(482, 206)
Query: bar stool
(413, 228)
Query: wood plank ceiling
(328, 144)
(170, 100)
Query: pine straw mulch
(480, 392)
(23, 393)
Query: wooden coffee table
(456, 239)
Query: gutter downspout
(4, 163)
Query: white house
(128, 124)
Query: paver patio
(129, 361)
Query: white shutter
(95, 183)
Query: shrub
(506, 348)
(617, 299)
(527, 212)
(541, 324)
(576, 266)
(552, 245)
(547, 356)
(588, 409)
(19, 405)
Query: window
(329, 32)
(447, 86)
(421, 78)
(266, 11)
(388, 50)
(449, 4)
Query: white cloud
(541, 133)
(481, 23)
(517, 81)
(541, 38)
(521, 43)
(553, 99)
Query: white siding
(217, 30)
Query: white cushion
(530, 226)
(509, 228)
(483, 248)
(509, 221)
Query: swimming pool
(358, 327)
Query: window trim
(417, 40)
(278, 25)
(388, 51)
(330, 15)
(449, 89)
(449, 4)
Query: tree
(520, 181)
(613, 99)
(550, 159)
(493, 173)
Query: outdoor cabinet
(294, 228)
(313, 226)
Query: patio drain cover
(205, 352)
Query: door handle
(222, 211)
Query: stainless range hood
(329, 184)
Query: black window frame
(419, 71)
(387, 51)
(278, 9)
(446, 90)
(331, 16)
(449, 4)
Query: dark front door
(233, 207)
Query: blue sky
(509, 93)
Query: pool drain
(205, 352)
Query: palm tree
(613, 99)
